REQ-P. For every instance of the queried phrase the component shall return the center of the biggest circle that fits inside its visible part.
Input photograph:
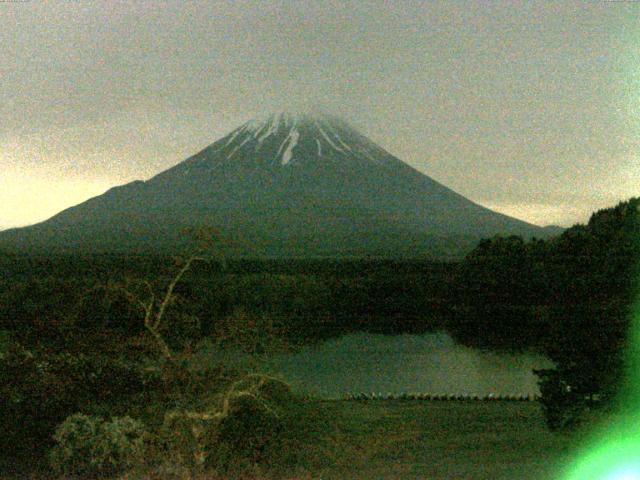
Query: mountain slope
(284, 186)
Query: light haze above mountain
(287, 185)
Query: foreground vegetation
(404, 439)
(97, 354)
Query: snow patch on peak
(265, 127)
(331, 136)
(269, 129)
(237, 147)
(291, 141)
(286, 157)
(326, 137)
(234, 134)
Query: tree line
(74, 336)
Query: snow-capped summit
(283, 185)
(287, 138)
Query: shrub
(566, 402)
(39, 389)
(121, 443)
(33, 400)
(253, 421)
(75, 439)
(244, 428)
(250, 427)
(90, 447)
(184, 437)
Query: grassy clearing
(433, 440)
(343, 440)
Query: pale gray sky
(530, 108)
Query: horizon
(295, 114)
(257, 123)
(348, 238)
(537, 100)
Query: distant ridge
(288, 185)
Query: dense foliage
(93, 447)
(39, 388)
(569, 297)
(73, 340)
(42, 299)
(76, 375)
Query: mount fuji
(283, 186)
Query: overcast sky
(530, 108)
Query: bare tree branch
(171, 287)
(154, 310)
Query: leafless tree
(155, 305)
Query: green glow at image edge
(615, 457)
(613, 453)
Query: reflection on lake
(427, 363)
